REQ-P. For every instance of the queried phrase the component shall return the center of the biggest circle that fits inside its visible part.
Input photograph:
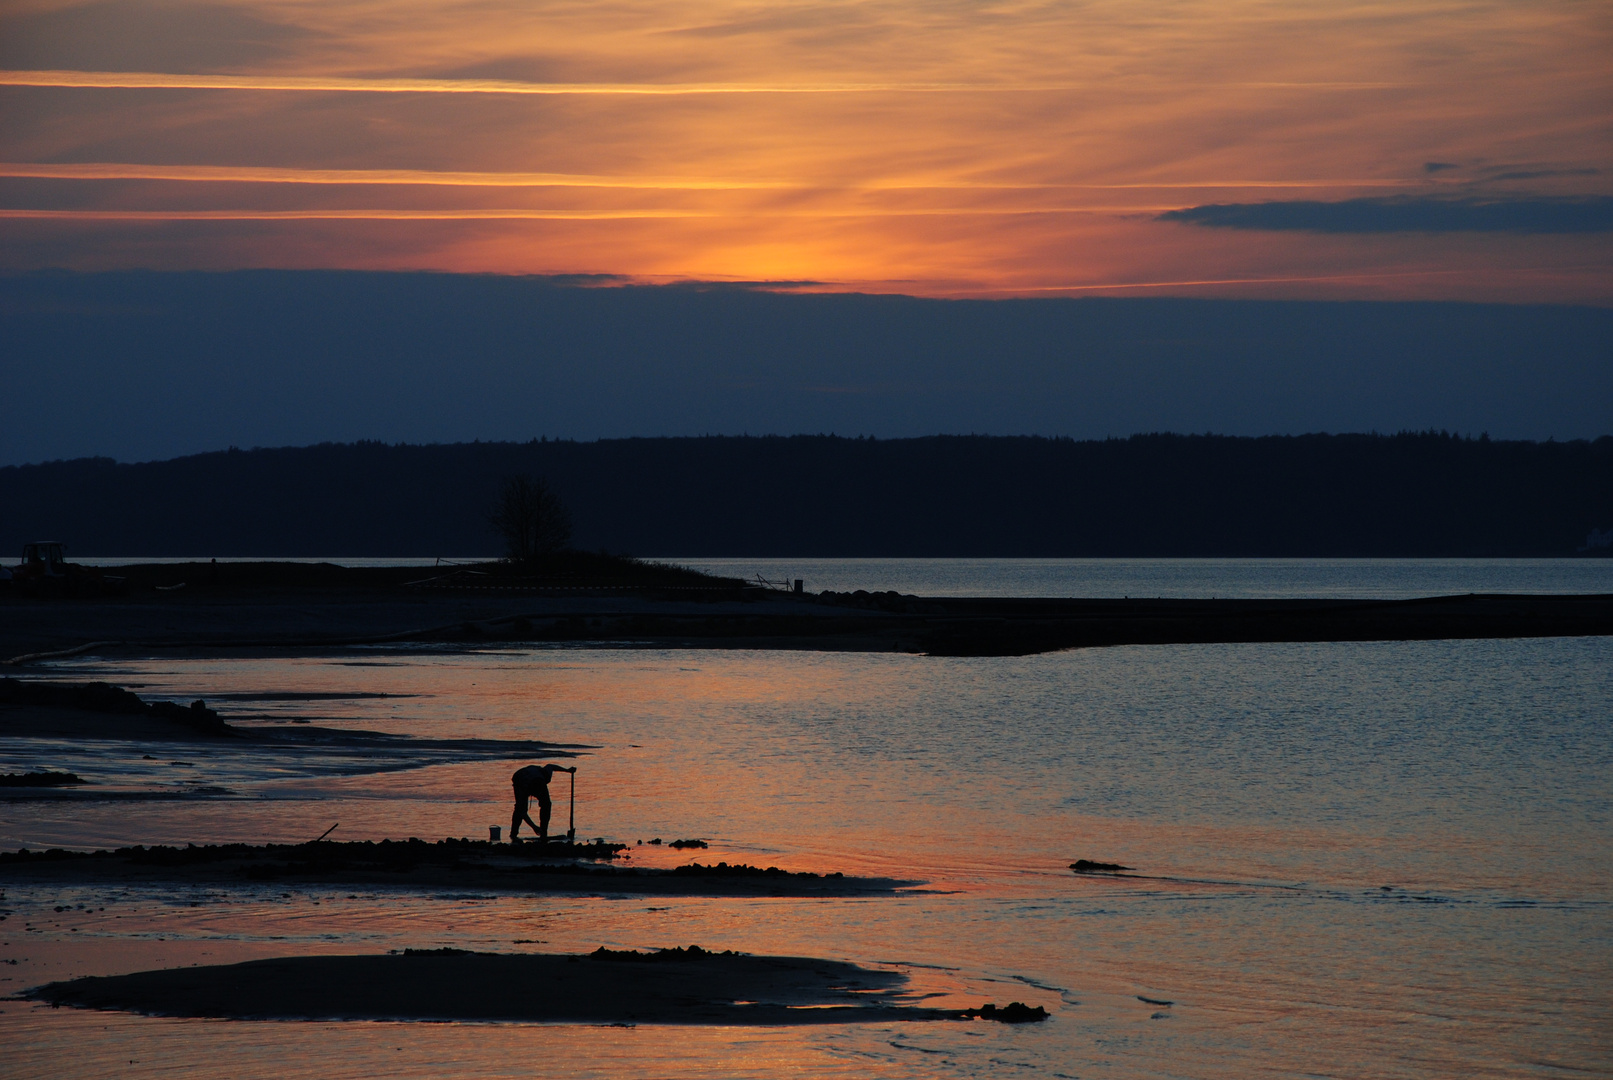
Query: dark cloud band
(1414, 214)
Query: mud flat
(415, 865)
(296, 607)
(673, 986)
(96, 711)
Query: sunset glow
(925, 148)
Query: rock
(1015, 1012)
(40, 779)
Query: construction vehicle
(45, 571)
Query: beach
(1388, 855)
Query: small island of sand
(672, 986)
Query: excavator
(45, 571)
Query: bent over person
(529, 781)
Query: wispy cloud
(1592, 214)
(943, 145)
(412, 177)
(1542, 174)
(363, 214)
(158, 80)
(535, 214)
(161, 80)
(1268, 280)
(157, 35)
(262, 174)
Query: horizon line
(536, 440)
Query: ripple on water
(1276, 788)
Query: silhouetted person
(529, 781)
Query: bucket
(493, 832)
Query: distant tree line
(1413, 494)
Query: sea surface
(1382, 859)
(1381, 579)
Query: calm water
(1254, 578)
(1271, 792)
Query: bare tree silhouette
(531, 518)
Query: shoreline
(312, 607)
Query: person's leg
(517, 814)
(544, 808)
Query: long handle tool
(571, 830)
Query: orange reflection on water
(108, 1045)
(1266, 794)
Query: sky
(142, 366)
(1419, 150)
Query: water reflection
(1270, 792)
(1385, 579)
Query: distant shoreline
(284, 607)
(1411, 494)
(432, 562)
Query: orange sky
(939, 147)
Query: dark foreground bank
(204, 608)
(673, 986)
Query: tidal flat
(1390, 856)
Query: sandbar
(682, 986)
(415, 865)
(300, 608)
(98, 712)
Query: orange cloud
(956, 149)
(153, 80)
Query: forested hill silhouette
(1421, 494)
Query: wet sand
(33, 710)
(672, 987)
(34, 722)
(98, 711)
(525, 868)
